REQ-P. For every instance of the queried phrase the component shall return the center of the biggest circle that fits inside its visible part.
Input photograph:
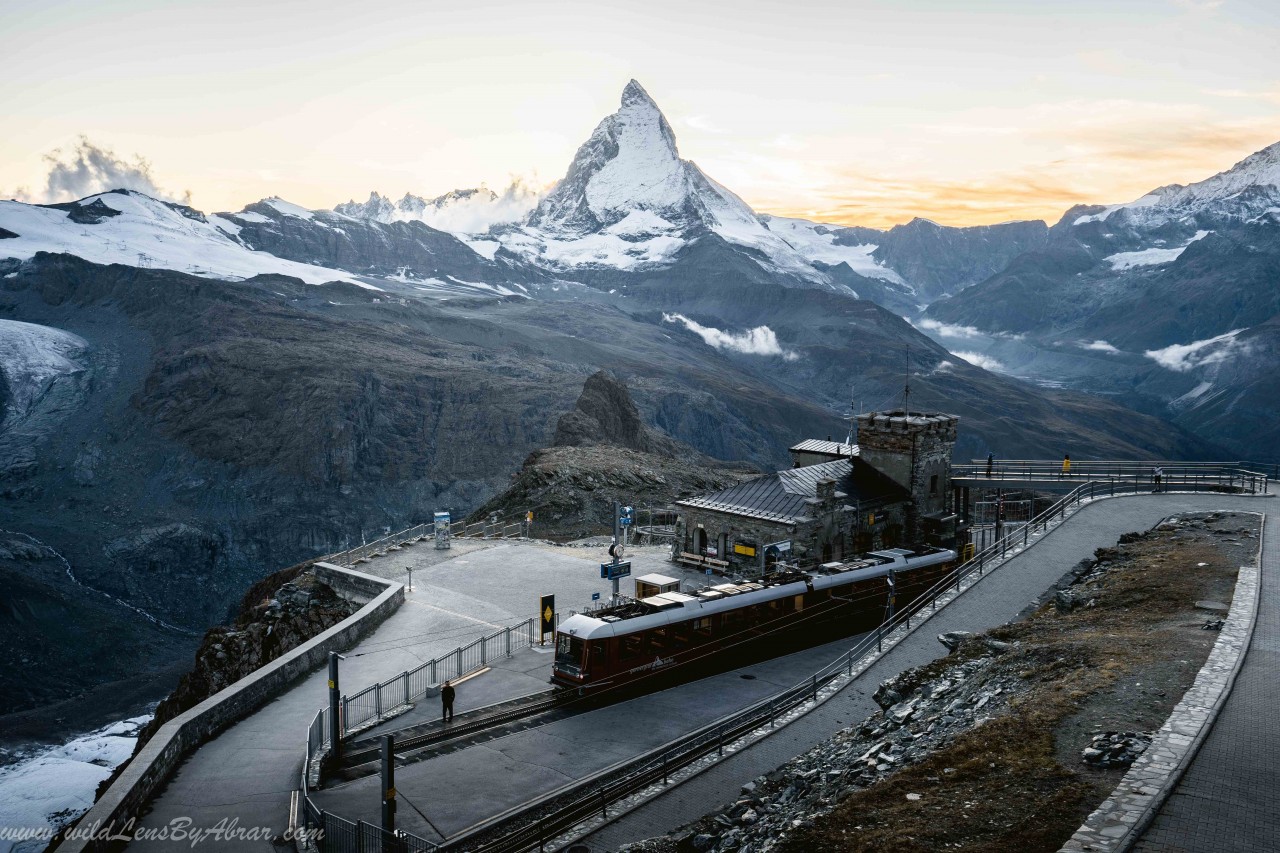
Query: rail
(535, 824)
(376, 702)
(500, 529)
(1175, 475)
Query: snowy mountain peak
(1246, 190)
(634, 93)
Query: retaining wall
(148, 771)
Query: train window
(657, 640)
(680, 633)
(631, 645)
(702, 626)
(799, 602)
(569, 650)
(599, 652)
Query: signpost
(613, 571)
(547, 616)
(442, 531)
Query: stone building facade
(837, 501)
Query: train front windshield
(569, 652)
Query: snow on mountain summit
(1248, 189)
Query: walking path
(1227, 799)
(995, 600)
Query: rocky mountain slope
(1170, 300)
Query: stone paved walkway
(1229, 798)
(995, 600)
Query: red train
(718, 624)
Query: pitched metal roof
(827, 448)
(787, 497)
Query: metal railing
(538, 822)
(378, 700)
(501, 529)
(1174, 474)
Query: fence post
(604, 805)
(377, 701)
(508, 633)
(815, 677)
(359, 836)
(484, 651)
(720, 737)
(433, 672)
(459, 655)
(406, 686)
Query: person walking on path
(991, 459)
(1066, 464)
(446, 702)
(1157, 474)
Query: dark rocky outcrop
(267, 626)
(605, 453)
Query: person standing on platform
(1157, 474)
(991, 460)
(446, 702)
(1066, 464)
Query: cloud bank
(89, 169)
(758, 341)
(1182, 358)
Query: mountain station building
(837, 500)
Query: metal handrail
(660, 762)
(376, 701)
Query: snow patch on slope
(758, 341)
(1148, 257)
(32, 358)
(49, 790)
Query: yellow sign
(331, 684)
(871, 518)
(391, 794)
(547, 610)
(744, 550)
(528, 516)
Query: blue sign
(595, 596)
(626, 519)
(611, 571)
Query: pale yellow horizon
(860, 113)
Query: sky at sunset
(864, 113)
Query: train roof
(669, 607)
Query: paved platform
(249, 771)
(996, 599)
(526, 672)
(1227, 799)
(444, 796)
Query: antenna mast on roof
(906, 388)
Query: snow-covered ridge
(140, 231)
(816, 242)
(1257, 175)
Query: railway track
(429, 740)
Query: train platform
(526, 673)
(249, 771)
(444, 796)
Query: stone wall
(912, 449)
(148, 771)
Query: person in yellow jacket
(1066, 464)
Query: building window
(933, 484)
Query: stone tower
(914, 450)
